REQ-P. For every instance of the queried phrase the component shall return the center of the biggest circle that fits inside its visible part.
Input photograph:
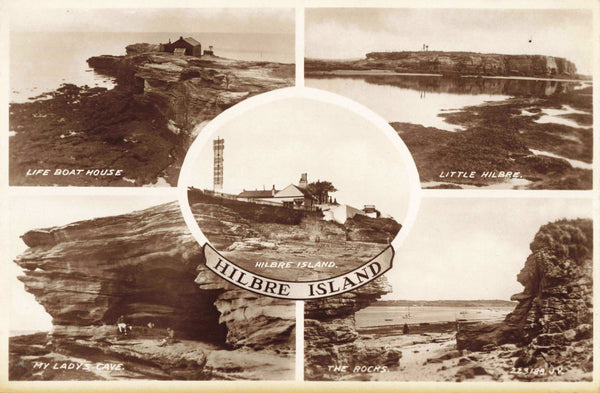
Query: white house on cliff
(298, 197)
(292, 196)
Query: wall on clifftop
(147, 266)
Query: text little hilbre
(484, 174)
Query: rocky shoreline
(331, 341)
(498, 144)
(547, 337)
(142, 127)
(449, 63)
(499, 137)
(147, 267)
(246, 232)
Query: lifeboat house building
(188, 44)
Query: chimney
(303, 183)
(180, 37)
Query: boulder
(553, 320)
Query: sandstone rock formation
(330, 337)
(553, 320)
(143, 126)
(448, 63)
(147, 267)
(478, 63)
(190, 90)
(246, 232)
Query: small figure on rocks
(405, 329)
(123, 327)
(170, 339)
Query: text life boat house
(187, 46)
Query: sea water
(41, 62)
(393, 315)
(421, 99)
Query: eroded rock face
(554, 314)
(455, 63)
(557, 277)
(190, 90)
(141, 265)
(143, 127)
(147, 267)
(330, 337)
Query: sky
(33, 212)
(473, 248)
(214, 20)
(351, 33)
(274, 143)
(458, 248)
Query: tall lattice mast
(218, 146)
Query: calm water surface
(41, 62)
(420, 99)
(381, 316)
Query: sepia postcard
(113, 97)
(478, 105)
(303, 195)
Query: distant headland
(451, 63)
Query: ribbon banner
(298, 290)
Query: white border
(262, 386)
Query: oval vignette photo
(298, 190)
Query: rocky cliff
(553, 320)
(147, 267)
(190, 90)
(330, 336)
(247, 232)
(142, 127)
(449, 63)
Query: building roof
(306, 193)
(292, 189)
(256, 194)
(191, 41)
